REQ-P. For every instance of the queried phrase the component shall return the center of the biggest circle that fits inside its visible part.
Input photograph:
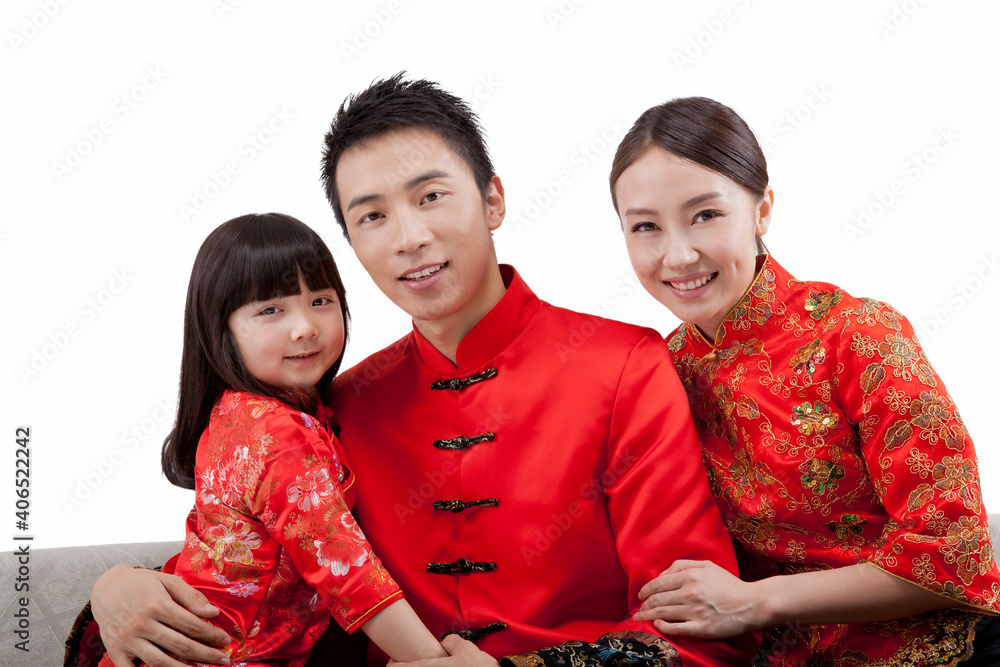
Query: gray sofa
(61, 580)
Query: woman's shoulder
(834, 308)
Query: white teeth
(693, 283)
(429, 271)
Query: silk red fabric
(830, 441)
(579, 428)
(271, 540)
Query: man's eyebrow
(426, 176)
(362, 199)
(412, 183)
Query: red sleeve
(920, 458)
(300, 500)
(659, 501)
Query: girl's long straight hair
(251, 258)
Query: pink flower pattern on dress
(270, 516)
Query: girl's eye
(707, 215)
(643, 227)
(323, 301)
(270, 310)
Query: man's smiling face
(420, 226)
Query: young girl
(842, 469)
(271, 541)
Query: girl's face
(690, 235)
(290, 342)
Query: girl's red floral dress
(271, 540)
(830, 441)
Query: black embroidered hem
(618, 649)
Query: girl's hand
(143, 612)
(462, 653)
(700, 599)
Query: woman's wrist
(769, 609)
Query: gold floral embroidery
(955, 477)
(807, 357)
(871, 313)
(677, 341)
(962, 545)
(812, 418)
(863, 345)
(930, 412)
(820, 475)
(919, 462)
(847, 525)
(819, 303)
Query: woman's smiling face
(690, 234)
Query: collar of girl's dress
(754, 308)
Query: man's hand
(700, 599)
(143, 613)
(462, 652)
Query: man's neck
(447, 333)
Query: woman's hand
(462, 653)
(701, 599)
(141, 613)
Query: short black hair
(394, 103)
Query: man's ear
(496, 208)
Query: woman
(839, 462)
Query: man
(523, 470)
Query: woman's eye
(704, 216)
(643, 227)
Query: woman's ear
(764, 211)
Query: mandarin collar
(756, 307)
(491, 334)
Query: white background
(155, 98)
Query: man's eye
(433, 196)
(371, 217)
